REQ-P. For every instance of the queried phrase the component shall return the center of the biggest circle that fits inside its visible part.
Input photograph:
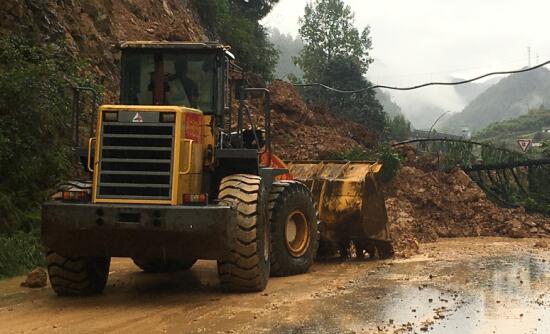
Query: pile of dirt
(425, 204)
(303, 133)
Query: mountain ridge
(511, 97)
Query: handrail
(90, 169)
(189, 157)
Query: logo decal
(137, 118)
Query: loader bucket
(349, 200)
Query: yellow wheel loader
(175, 176)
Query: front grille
(135, 161)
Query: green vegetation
(399, 128)
(35, 105)
(236, 22)
(335, 53)
(20, 252)
(528, 126)
(390, 159)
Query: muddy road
(481, 285)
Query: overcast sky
(425, 40)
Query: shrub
(34, 126)
(390, 160)
(19, 253)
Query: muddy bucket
(349, 200)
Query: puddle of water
(508, 294)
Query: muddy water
(487, 294)
(455, 286)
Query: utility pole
(529, 56)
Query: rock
(462, 178)
(541, 244)
(515, 229)
(530, 223)
(37, 278)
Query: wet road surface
(482, 285)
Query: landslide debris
(304, 133)
(424, 204)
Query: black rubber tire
(245, 268)
(155, 266)
(385, 249)
(326, 250)
(286, 198)
(78, 276)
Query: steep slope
(303, 133)
(91, 28)
(510, 98)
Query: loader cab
(193, 75)
(202, 76)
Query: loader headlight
(167, 117)
(75, 195)
(110, 116)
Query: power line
(462, 82)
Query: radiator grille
(135, 161)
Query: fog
(433, 40)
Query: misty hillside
(470, 91)
(390, 107)
(289, 47)
(509, 98)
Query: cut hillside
(304, 133)
(509, 98)
(92, 28)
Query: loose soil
(425, 203)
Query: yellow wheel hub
(297, 233)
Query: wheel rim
(296, 233)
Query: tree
(35, 113)
(399, 128)
(336, 54)
(289, 48)
(328, 32)
(344, 72)
(236, 22)
(255, 9)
